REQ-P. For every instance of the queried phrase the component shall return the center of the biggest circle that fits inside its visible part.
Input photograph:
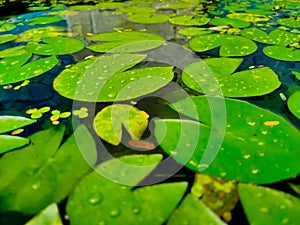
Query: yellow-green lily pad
(294, 104)
(7, 38)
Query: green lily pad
(38, 8)
(111, 82)
(119, 204)
(8, 143)
(291, 22)
(44, 174)
(191, 210)
(256, 145)
(276, 37)
(38, 34)
(194, 31)
(148, 18)
(82, 7)
(294, 104)
(232, 22)
(7, 38)
(214, 74)
(282, 53)
(187, 20)
(263, 204)
(111, 5)
(127, 41)
(137, 9)
(14, 51)
(7, 27)
(43, 20)
(297, 74)
(249, 17)
(10, 123)
(109, 121)
(56, 46)
(12, 69)
(48, 216)
(230, 45)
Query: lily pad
(43, 20)
(282, 53)
(12, 69)
(276, 37)
(249, 17)
(10, 123)
(83, 7)
(8, 143)
(291, 22)
(119, 204)
(137, 9)
(127, 41)
(232, 22)
(38, 34)
(14, 51)
(256, 145)
(230, 45)
(109, 121)
(194, 31)
(187, 20)
(48, 216)
(297, 74)
(148, 18)
(50, 174)
(192, 210)
(263, 204)
(56, 46)
(104, 79)
(7, 38)
(214, 74)
(7, 27)
(294, 104)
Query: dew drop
(264, 209)
(285, 220)
(115, 213)
(96, 199)
(110, 95)
(255, 171)
(36, 186)
(136, 210)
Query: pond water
(115, 67)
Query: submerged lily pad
(282, 53)
(276, 37)
(7, 27)
(256, 145)
(187, 20)
(43, 20)
(109, 121)
(136, 204)
(7, 38)
(148, 18)
(49, 173)
(56, 46)
(230, 45)
(232, 22)
(104, 79)
(12, 69)
(127, 41)
(214, 74)
(294, 104)
(263, 204)
(291, 22)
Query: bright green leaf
(48, 216)
(187, 20)
(291, 22)
(232, 22)
(148, 18)
(282, 53)
(8, 142)
(7, 27)
(10, 123)
(294, 104)
(43, 20)
(7, 38)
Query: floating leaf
(127, 41)
(297, 74)
(56, 46)
(7, 38)
(192, 210)
(230, 45)
(10, 123)
(14, 51)
(43, 20)
(7, 27)
(12, 69)
(194, 31)
(88, 85)
(119, 204)
(37, 113)
(209, 75)
(291, 22)
(282, 53)
(137, 9)
(81, 113)
(38, 8)
(50, 173)
(263, 204)
(109, 121)
(148, 18)
(8, 142)
(187, 20)
(49, 216)
(82, 7)
(276, 37)
(294, 104)
(249, 17)
(250, 151)
(38, 34)
(232, 22)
